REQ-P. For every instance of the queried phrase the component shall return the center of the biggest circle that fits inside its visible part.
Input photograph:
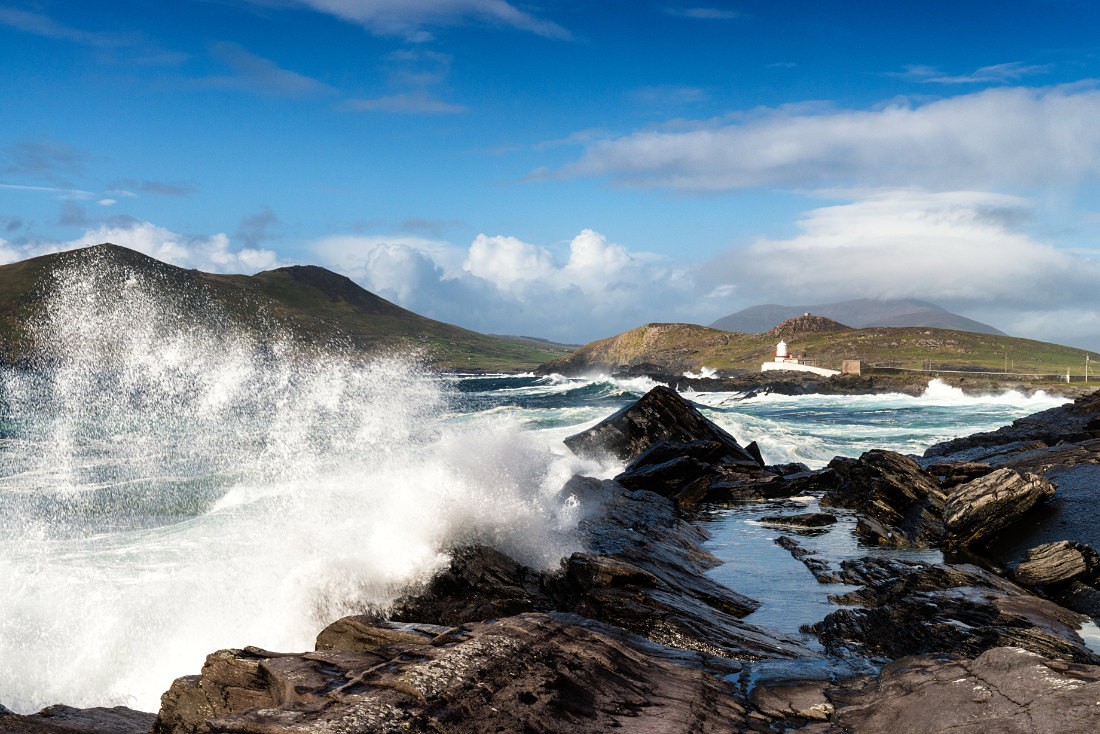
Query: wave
(166, 491)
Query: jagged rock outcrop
(979, 509)
(900, 505)
(660, 415)
(914, 609)
(1058, 563)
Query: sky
(571, 169)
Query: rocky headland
(632, 633)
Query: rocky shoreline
(632, 633)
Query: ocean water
(166, 490)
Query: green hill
(675, 348)
(308, 304)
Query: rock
(946, 609)
(820, 568)
(365, 633)
(1005, 690)
(661, 414)
(1058, 563)
(530, 673)
(979, 509)
(804, 520)
(900, 504)
(68, 720)
(1073, 423)
(952, 475)
(479, 583)
(793, 699)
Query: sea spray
(174, 480)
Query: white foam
(172, 491)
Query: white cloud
(964, 250)
(1012, 71)
(992, 139)
(408, 18)
(501, 284)
(211, 254)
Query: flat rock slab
(1002, 691)
(68, 720)
(529, 673)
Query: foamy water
(167, 491)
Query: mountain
(308, 304)
(861, 312)
(677, 348)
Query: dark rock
(1005, 690)
(786, 470)
(480, 583)
(983, 507)
(68, 720)
(1066, 423)
(820, 568)
(804, 520)
(952, 475)
(1058, 563)
(946, 609)
(793, 699)
(661, 414)
(528, 673)
(900, 504)
(365, 633)
(666, 479)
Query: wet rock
(661, 414)
(786, 470)
(819, 567)
(952, 475)
(68, 720)
(1072, 423)
(981, 508)
(530, 673)
(1004, 690)
(1058, 563)
(366, 633)
(479, 583)
(803, 520)
(946, 609)
(900, 505)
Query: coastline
(639, 595)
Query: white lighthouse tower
(784, 361)
(781, 353)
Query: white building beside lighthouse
(784, 361)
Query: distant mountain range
(311, 305)
(859, 313)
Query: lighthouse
(781, 353)
(784, 361)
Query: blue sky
(574, 168)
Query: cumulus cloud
(212, 254)
(409, 18)
(501, 284)
(995, 138)
(965, 250)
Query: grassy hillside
(679, 347)
(310, 304)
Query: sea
(167, 490)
